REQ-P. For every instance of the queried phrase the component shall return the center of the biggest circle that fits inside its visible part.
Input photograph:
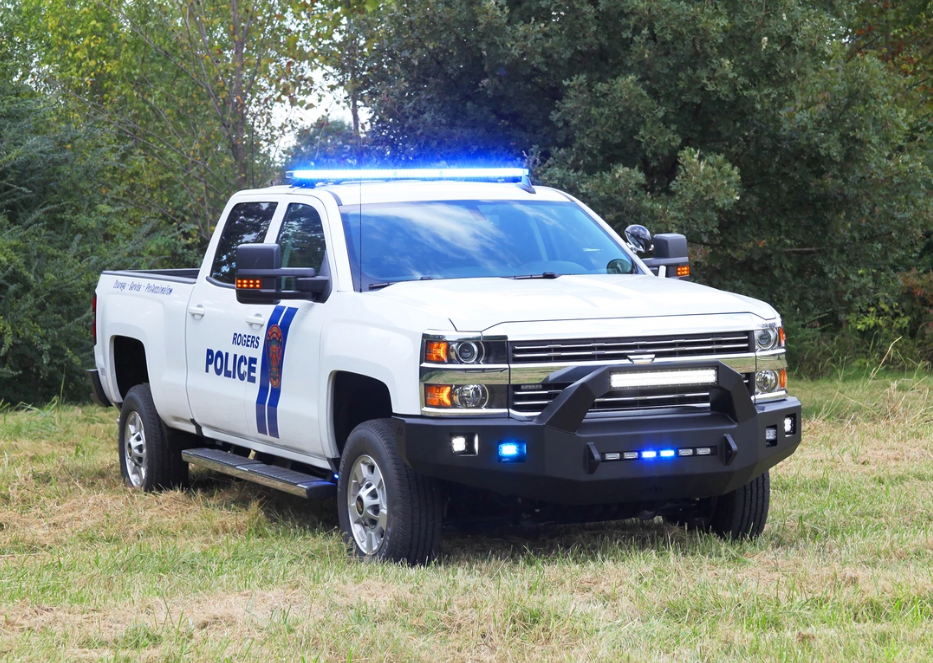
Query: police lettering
(246, 341)
(236, 367)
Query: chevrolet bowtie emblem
(641, 359)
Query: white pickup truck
(439, 345)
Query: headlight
(769, 338)
(466, 396)
(464, 352)
(767, 382)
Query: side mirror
(261, 279)
(638, 239)
(670, 256)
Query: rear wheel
(737, 515)
(386, 510)
(150, 457)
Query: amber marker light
(249, 284)
(683, 270)
(436, 352)
(782, 377)
(781, 338)
(436, 395)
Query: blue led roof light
(311, 177)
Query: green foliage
(189, 84)
(794, 167)
(326, 143)
(55, 238)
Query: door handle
(255, 320)
(196, 311)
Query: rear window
(248, 223)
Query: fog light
(463, 445)
(771, 436)
(704, 451)
(470, 395)
(790, 424)
(685, 452)
(512, 452)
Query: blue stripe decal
(263, 395)
(277, 391)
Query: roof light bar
(485, 174)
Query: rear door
(223, 337)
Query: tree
(326, 143)
(190, 83)
(790, 165)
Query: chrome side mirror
(639, 239)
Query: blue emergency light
(310, 177)
(512, 451)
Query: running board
(296, 483)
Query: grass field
(844, 571)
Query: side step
(296, 483)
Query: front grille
(531, 399)
(608, 349)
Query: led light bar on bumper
(673, 378)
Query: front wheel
(386, 510)
(737, 515)
(149, 458)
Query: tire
(150, 457)
(741, 514)
(386, 510)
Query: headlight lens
(470, 395)
(467, 352)
(767, 338)
(767, 382)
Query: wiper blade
(381, 285)
(542, 275)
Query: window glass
(247, 224)
(468, 239)
(302, 238)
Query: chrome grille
(532, 399)
(608, 349)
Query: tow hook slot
(731, 450)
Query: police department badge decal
(274, 355)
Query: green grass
(233, 571)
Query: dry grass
(90, 571)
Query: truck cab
(408, 341)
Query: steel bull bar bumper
(574, 459)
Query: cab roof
(355, 193)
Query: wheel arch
(355, 398)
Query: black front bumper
(566, 452)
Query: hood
(479, 304)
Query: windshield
(471, 239)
